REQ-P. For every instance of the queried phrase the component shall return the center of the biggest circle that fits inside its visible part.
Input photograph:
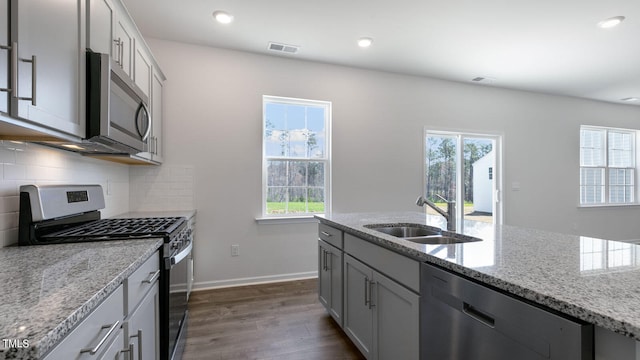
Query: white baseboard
(208, 285)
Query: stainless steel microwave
(117, 109)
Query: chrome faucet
(449, 215)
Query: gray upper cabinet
(123, 40)
(43, 67)
(157, 113)
(112, 31)
(5, 53)
(48, 63)
(102, 16)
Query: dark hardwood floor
(271, 321)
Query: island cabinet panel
(381, 316)
(358, 314)
(398, 267)
(331, 235)
(330, 279)
(396, 321)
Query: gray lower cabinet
(141, 329)
(124, 326)
(381, 316)
(99, 336)
(330, 279)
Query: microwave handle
(147, 118)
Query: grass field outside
(295, 207)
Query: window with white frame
(296, 157)
(607, 166)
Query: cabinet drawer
(331, 235)
(102, 326)
(141, 281)
(400, 268)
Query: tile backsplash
(26, 163)
(162, 188)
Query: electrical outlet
(235, 250)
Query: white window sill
(287, 220)
(600, 206)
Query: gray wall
(213, 105)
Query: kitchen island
(594, 280)
(48, 290)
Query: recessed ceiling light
(223, 17)
(611, 22)
(365, 42)
(630, 99)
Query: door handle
(10, 85)
(371, 284)
(14, 74)
(139, 336)
(366, 292)
(95, 349)
(152, 278)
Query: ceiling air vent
(483, 80)
(284, 48)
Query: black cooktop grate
(121, 228)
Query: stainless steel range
(57, 214)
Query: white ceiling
(551, 46)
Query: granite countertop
(594, 280)
(143, 214)
(48, 290)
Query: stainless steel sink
(421, 234)
(407, 231)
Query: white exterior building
(483, 183)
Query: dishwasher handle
(478, 315)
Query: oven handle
(179, 256)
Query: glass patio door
(463, 168)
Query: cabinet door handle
(117, 43)
(326, 234)
(129, 350)
(9, 87)
(152, 278)
(139, 336)
(371, 284)
(366, 292)
(95, 349)
(14, 69)
(121, 53)
(324, 259)
(14, 74)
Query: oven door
(178, 270)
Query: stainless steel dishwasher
(463, 320)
